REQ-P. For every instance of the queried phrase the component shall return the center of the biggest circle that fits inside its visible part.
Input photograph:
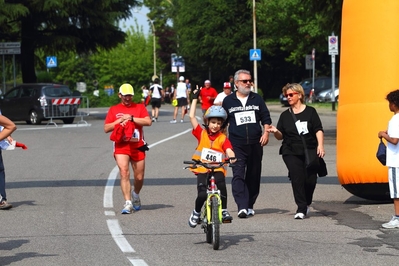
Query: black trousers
(303, 182)
(246, 174)
(202, 187)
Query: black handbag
(313, 161)
(382, 152)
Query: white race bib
(246, 117)
(211, 155)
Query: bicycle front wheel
(215, 223)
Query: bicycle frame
(212, 191)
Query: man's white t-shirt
(181, 90)
(393, 150)
(219, 98)
(156, 91)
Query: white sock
(128, 202)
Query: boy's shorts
(393, 179)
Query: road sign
(8, 45)
(332, 45)
(308, 62)
(255, 54)
(10, 51)
(51, 61)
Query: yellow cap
(126, 89)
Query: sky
(141, 17)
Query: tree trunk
(28, 51)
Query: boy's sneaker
(393, 223)
(127, 208)
(173, 122)
(243, 213)
(4, 205)
(251, 212)
(136, 203)
(194, 219)
(226, 217)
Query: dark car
(320, 84)
(36, 102)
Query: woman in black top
(307, 124)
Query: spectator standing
(231, 80)
(8, 128)
(181, 95)
(146, 93)
(392, 137)
(226, 91)
(129, 118)
(167, 95)
(206, 96)
(248, 119)
(303, 180)
(157, 94)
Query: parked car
(32, 103)
(325, 96)
(320, 84)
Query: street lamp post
(254, 37)
(154, 46)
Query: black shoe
(226, 217)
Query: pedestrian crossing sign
(51, 61)
(255, 54)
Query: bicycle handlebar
(211, 166)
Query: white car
(325, 96)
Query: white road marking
(113, 224)
(117, 235)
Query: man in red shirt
(206, 96)
(131, 149)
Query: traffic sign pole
(333, 50)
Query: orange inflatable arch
(369, 71)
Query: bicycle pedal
(227, 221)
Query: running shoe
(299, 215)
(243, 213)
(393, 223)
(226, 217)
(136, 203)
(251, 212)
(127, 208)
(4, 205)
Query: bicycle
(211, 214)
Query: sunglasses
(291, 94)
(245, 80)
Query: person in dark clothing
(249, 119)
(308, 124)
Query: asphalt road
(67, 202)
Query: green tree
(83, 26)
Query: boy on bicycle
(213, 138)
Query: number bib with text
(246, 117)
(211, 155)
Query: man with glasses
(126, 120)
(248, 119)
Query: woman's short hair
(296, 88)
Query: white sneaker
(242, 213)
(393, 223)
(299, 215)
(173, 122)
(153, 119)
(182, 121)
(194, 219)
(251, 212)
(127, 208)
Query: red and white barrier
(59, 101)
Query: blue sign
(51, 61)
(255, 54)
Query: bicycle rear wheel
(215, 222)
